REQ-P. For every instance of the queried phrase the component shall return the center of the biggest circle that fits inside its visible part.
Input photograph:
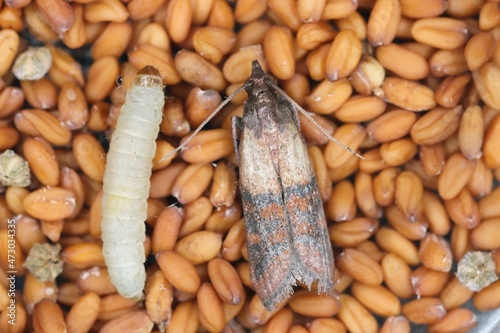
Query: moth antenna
(311, 119)
(197, 130)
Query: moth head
(259, 80)
(148, 77)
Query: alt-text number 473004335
(11, 258)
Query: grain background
(410, 85)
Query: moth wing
(266, 224)
(313, 255)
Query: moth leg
(236, 125)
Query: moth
(126, 183)
(285, 224)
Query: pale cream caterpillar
(126, 183)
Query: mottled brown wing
(312, 256)
(266, 223)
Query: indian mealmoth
(126, 182)
(285, 224)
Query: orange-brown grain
(377, 299)
(115, 305)
(312, 35)
(403, 62)
(11, 261)
(365, 197)
(393, 242)
(440, 32)
(105, 10)
(451, 89)
(397, 275)
(413, 230)
(238, 66)
(278, 50)
(50, 203)
(435, 253)
(39, 122)
(141, 9)
(213, 43)
(155, 35)
(490, 149)
(159, 297)
(397, 324)
(83, 313)
(101, 78)
(41, 158)
(342, 204)
(309, 303)
(455, 175)
(460, 319)
(40, 94)
(234, 241)
(225, 281)
(195, 215)
(350, 135)
(95, 280)
(210, 310)
(113, 40)
(166, 229)
(199, 72)
(359, 109)
(409, 95)
(352, 233)
(72, 106)
(372, 162)
(489, 15)
(384, 186)
(398, 152)
(481, 181)
(281, 322)
(145, 54)
(463, 210)
(83, 255)
(200, 104)
(90, 155)
(343, 56)
(178, 271)
(184, 318)
(409, 190)
(488, 205)
(454, 294)
(48, 317)
(425, 310)
(360, 267)
(383, 22)
(428, 282)
(9, 42)
(199, 247)
(192, 182)
(64, 67)
(138, 321)
(435, 212)
(14, 196)
(483, 237)
(355, 316)
(436, 125)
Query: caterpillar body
(126, 183)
